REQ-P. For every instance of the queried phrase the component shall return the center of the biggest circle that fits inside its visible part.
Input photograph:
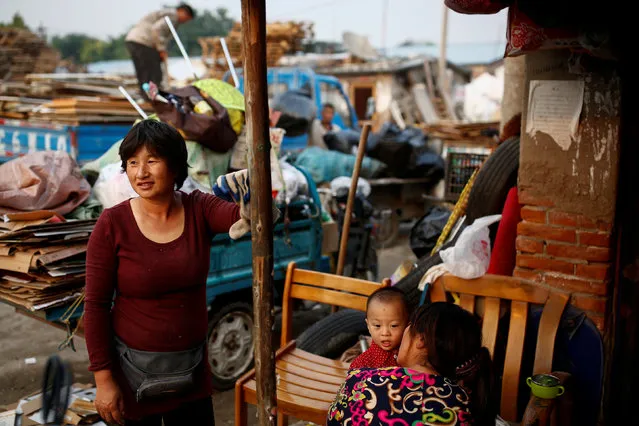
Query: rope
(65, 318)
(458, 211)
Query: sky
(405, 19)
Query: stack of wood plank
(42, 260)
(70, 98)
(454, 131)
(281, 38)
(23, 52)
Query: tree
(206, 24)
(16, 22)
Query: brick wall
(565, 251)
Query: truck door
(331, 92)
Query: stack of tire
(334, 334)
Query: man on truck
(147, 42)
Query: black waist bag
(154, 375)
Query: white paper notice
(554, 107)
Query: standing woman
(145, 311)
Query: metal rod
(257, 124)
(181, 47)
(132, 102)
(227, 55)
(361, 149)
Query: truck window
(332, 95)
(275, 89)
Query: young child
(386, 318)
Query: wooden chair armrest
(550, 412)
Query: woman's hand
(108, 398)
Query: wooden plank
(320, 360)
(467, 301)
(310, 393)
(287, 307)
(308, 383)
(548, 325)
(335, 282)
(496, 286)
(298, 406)
(311, 366)
(512, 361)
(303, 372)
(330, 297)
(491, 323)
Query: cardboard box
(330, 240)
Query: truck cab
(324, 89)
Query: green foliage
(16, 22)
(84, 49)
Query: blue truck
(323, 88)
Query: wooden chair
(492, 297)
(306, 383)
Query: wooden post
(361, 149)
(257, 125)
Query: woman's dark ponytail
(479, 382)
(454, 349)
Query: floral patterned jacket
(399, 397)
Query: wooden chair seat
(306, 383)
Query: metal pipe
(132, 102)
(227, 55)
(181, 47)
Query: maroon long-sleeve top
(151, 295)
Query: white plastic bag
(470, 256)
(113, 186)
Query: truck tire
(334, 334)
(230, 343)
(496, 177)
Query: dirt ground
(22, 337)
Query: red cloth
(375, 357)
(504, 252)
(160, 290)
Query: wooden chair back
(487, 296)
(333, 290)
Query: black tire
(240, 359)
(334, 334)
(496, 177)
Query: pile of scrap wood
(69, 98)
(42, 259)
(81, 409)
(281, 38)
(454, 131)
(23, 52)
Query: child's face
(386, 322)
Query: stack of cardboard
(81, 410)
(42, 259)
(70, 98)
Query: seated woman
(445, 378)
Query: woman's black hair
(163, 141)
(453, 338)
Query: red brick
(525, 197)
(542, 263)
(590, 254)
(594, 271)
(589, 303)
(575, 285)
(545, 232)
(588, 238)
(529, 245)
(527, 274)
(571, 220)
(604, 226)
(533, 214)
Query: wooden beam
(257, 124)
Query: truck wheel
(334, 334)
(496, 177)
(230, 344)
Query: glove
(234, 187)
